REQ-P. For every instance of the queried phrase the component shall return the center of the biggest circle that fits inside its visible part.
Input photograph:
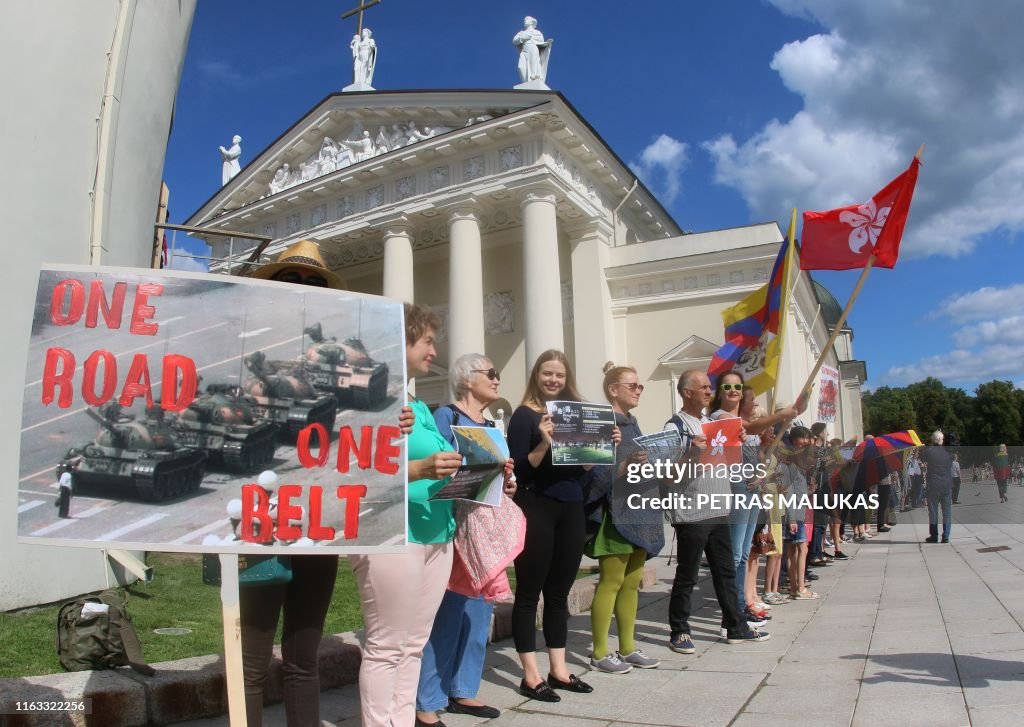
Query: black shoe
(575, 684)
(421, 723)
(944, 540)
(884, 529)
(482, 711)
(542, 692)
(932, 539)
(809, 576)
(840, 555)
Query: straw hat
(303, 255)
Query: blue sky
(732, 112)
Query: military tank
(281, 393)
(345, 370)
(221, 421)
(130, 454)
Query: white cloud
(985, 302)
(188, 264)
(1004, 330)
(990, 345)
(1000, 361)
(661, 163)
(888, 76)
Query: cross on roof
(363, 5)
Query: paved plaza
(905, 633)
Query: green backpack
(100, 640)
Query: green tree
(963, 413)
(997, 415)
(887, 410)
(931, 406)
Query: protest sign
(482, 474)
(583, 433)
(723, 445)
(828, 394)
(164, 395)
(663, 446)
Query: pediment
(692, 349)
(354, 132)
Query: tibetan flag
(844, 238)
(752, 331)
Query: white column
(542, 290)
(398, 271)
(593, 331)
(465, 284)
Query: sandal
(805, 595)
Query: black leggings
(304, 601)
(555, 532)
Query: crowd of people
(427, 611)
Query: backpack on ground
(96, 632)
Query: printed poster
(160, 398)
(666, 446)
(583, 433)
(828, 394)
(481, 478)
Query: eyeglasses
(294, 276)
(492, 374)
(731, 387)
(632, 386)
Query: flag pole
(784, 305)
(846, 311)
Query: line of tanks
(230, 426)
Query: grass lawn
(177, 597)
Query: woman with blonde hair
(625, 537)
(551, 498)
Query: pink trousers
(400, 595)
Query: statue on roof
(364, 60)
(534, 52)
(230, 166)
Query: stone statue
(328, 158)
(534, 52)
(230, 167)
(364, 61)
(362, 148)
(280, 180)
(397, 138)
(382, 141)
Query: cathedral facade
(511, 217)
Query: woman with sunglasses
(552, 500)
(727, 403)
(625, 537)
(453, 659)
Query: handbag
(253, 570)
(764, 542)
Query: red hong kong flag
(724, 445)
(844, 238)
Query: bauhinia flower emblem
(718, 443)
(867, 223)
